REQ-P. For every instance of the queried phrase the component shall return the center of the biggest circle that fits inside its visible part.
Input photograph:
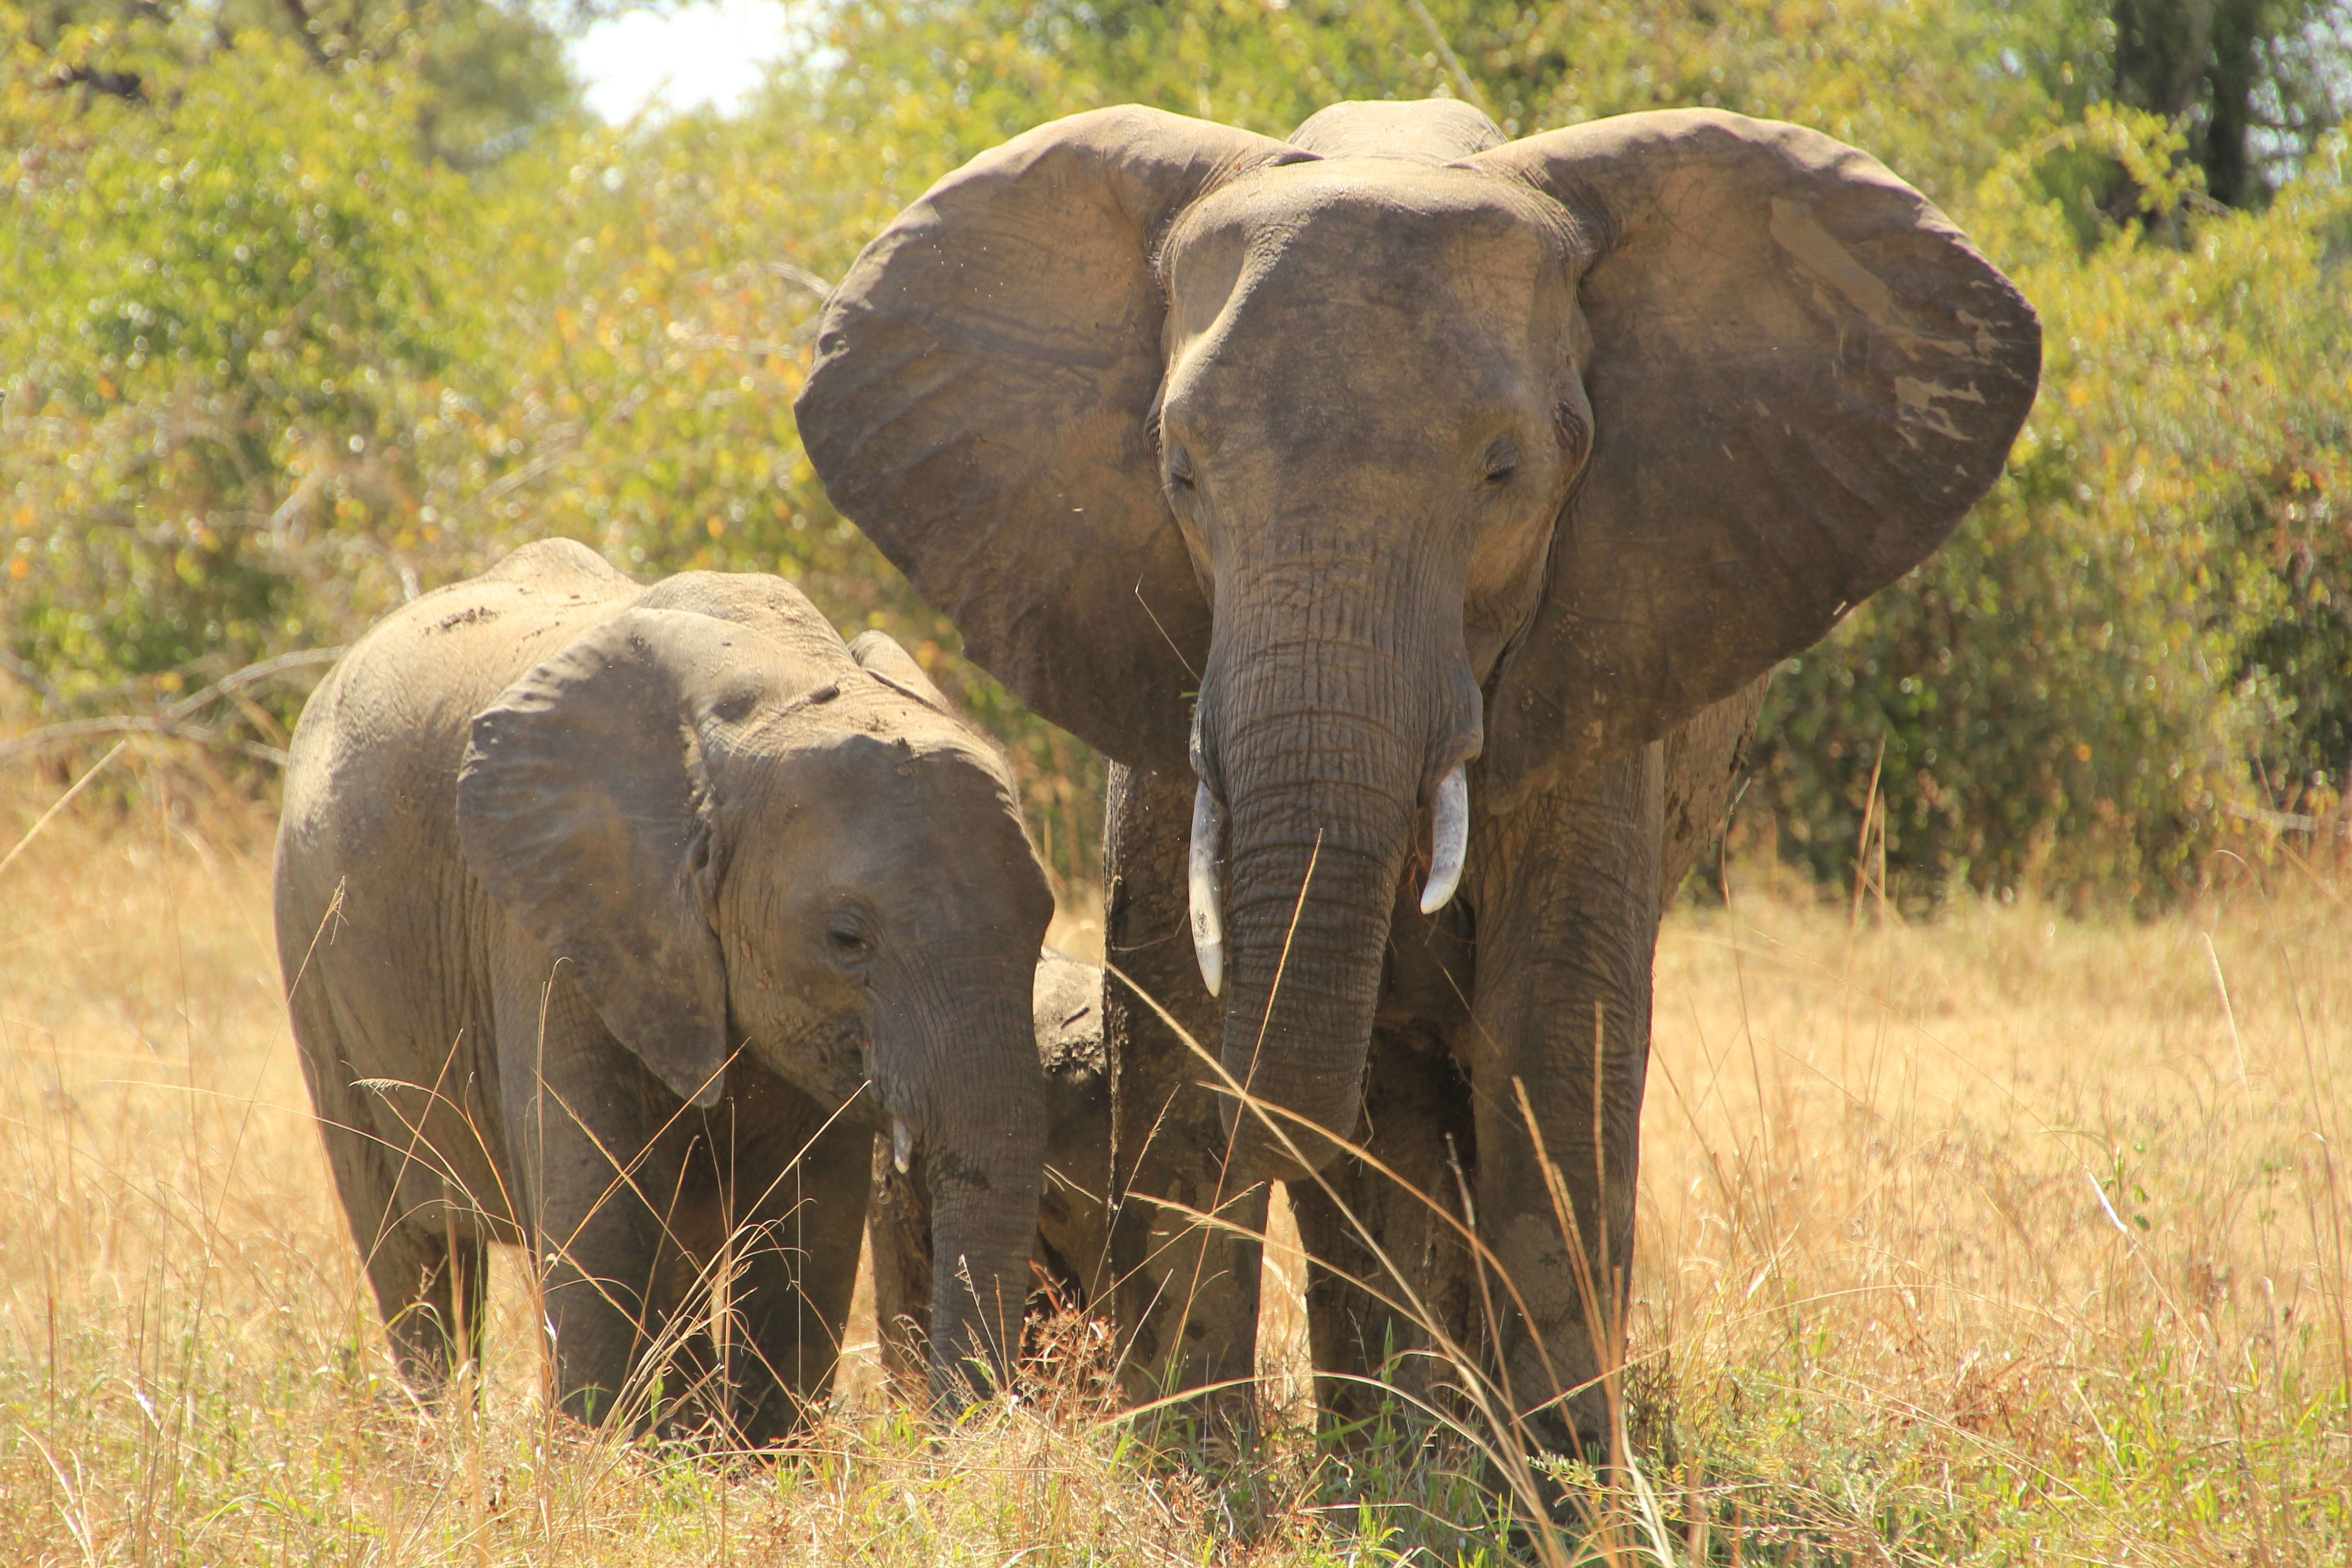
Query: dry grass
(1999, 1239)
(2008, 1234)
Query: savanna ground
(1998, 1238)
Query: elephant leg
(430, 1281)
(794, 1186)
(1184, 1294)
(1567, 918)
(426, 1259)
(609, 1285)
(599, 1163)
(434, 1292)
(1389, 1289)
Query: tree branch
(125, 85)
(83, 728)
(32, 677)
(178, 721)
(299, 16)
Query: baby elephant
(615, 921)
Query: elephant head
(735, 835)
(1402, 448)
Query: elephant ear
(1800, 377)
(880, 657)
(584, 807)
(981, 404)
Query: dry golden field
(1999, 1239)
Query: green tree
(234, 354)
(486, 74)
(1939, 89)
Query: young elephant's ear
(980, 405)
(879, 655)
(584, 807)
(1800, 377)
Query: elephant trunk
(970, 1100)
(1323, 743)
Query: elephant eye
(1502, 462)
(1180, 468)
(1575, 436)
(847, 943)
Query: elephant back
(433, 662)
(375, 753)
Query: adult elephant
(1396, 475)
(615, 920)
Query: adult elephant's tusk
(1449, 833)
(1208, 898)
(902, 1143)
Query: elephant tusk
(1208, 922)
(902, 1143)
(1449, 833)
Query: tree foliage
(482, 74)
(298, 319)
(231, 353)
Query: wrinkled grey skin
(1073, 1246)
(615, 919)
(1306, 473)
